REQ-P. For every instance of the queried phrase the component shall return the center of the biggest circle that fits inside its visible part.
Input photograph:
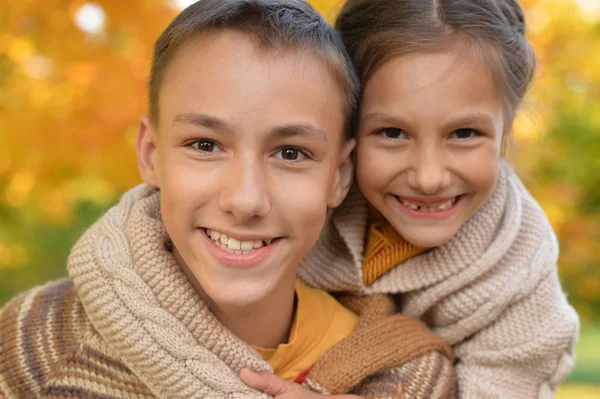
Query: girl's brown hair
(376, 30)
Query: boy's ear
(145, 147)
(344, 175)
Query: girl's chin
(427, 238)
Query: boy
(243, 152)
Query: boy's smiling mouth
(235, 246)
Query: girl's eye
(464, 134)
(393, 133)
(205, 146)
(291, 154)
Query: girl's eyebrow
(379, 117)
(474, 118)
(469, 119)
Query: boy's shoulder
(48, 347)
(39, 309)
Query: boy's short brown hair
(273, 23)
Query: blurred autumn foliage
(73, 85)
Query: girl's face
(429, 140)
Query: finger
(266, 382)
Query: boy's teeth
(247, 245)
(235, 246)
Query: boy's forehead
(222, 48)
(228, 66)
(227, 76)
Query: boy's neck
(265, 324)
(262, 326)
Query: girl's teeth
(442, 207)
(257, 244)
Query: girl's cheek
(374, 172)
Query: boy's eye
(291, 154)
(205, 146)
(464, 134)
(392, 133)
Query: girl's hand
(279, 388)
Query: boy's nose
(429, 173)
(245, 193)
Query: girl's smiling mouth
(437, 208)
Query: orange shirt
(319, 323)
(385, 248)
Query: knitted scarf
(147, 312)
(495, 282)
(144, 307)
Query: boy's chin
(238, 295)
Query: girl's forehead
(429, 65)
(446, 72)
(433, 89)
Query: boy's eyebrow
(195, 118)
(299, 129)
(211, 122)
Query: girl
(447, 226)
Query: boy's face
(248, 154)
(429, 142)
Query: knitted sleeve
(388, 355)
(526, 352)
(48, 349)
(428, 376)
(32, 337)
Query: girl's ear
(506, 141)
(145, 147)
(344, 175)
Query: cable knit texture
(492, 291)
(128, 324)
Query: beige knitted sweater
(492, 291)
(128, 324)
